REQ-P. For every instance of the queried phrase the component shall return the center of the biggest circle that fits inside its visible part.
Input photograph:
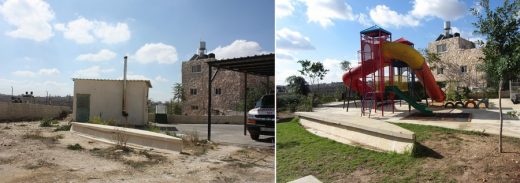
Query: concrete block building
(104, 98)
(459, 58)
(228, 86)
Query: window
(218, 91)
(441, 48)
(193, 91)
(194, 107)
(440, 70)
(463, 69)
(196, 69)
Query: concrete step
(359, 131)
(134, 137)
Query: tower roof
(374, 31)
(404, 41)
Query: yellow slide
(407, 54)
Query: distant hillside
(52, 100)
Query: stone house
(228, 86)
(459, 59)
(103, 98)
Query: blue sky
(328, 30)
(46, 43)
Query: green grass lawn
(300, 153)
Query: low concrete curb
(109, 134)
(374, 135)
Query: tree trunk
(500, 111)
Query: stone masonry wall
(229, 82)
(459, 52)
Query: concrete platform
(139, 138)
(360, 131)
(306, 179)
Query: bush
(47, 122)
(75, 147)
(99, 121)
(153, 128)
(288, 102)
(63, 128)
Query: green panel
(412, 102)
(82, 107)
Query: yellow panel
(403, 53)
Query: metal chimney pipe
(124, 88)
(447, 28)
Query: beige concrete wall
(24, 111)
(359, 137)
(106, 100)
(133, 137)
(179, 119)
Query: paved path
(481, 119)
(221, 133)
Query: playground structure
(380, 57)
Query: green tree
(178, 92)
(432, 58)
(346, 65)
(297, 85)
(315, 72)
(500, 26)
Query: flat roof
(131, 80)
(261, 65)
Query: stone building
(459, 58)
(228, 86)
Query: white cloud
(84, 31)
(112, 33)
(283, 8)
(24, 73)
(239, 48)
(102, 55)
(49, 72)
(443, 9)
(384, 16)
(156, 52)
(161, 79)
(325, 12)
(91, 72)
(364, 20)
(30, 17)
(288, 39)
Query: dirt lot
(29, 153)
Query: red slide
(405, 53)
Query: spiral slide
(402, 52)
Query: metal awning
(260, 65)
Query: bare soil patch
(29, 153)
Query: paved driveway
(221, 133)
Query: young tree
(178, 92)
(297, 85)
(315, 72)
(501, 51)
(346, 65)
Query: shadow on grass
(284, 120)
(421, 151)
(287, 144)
